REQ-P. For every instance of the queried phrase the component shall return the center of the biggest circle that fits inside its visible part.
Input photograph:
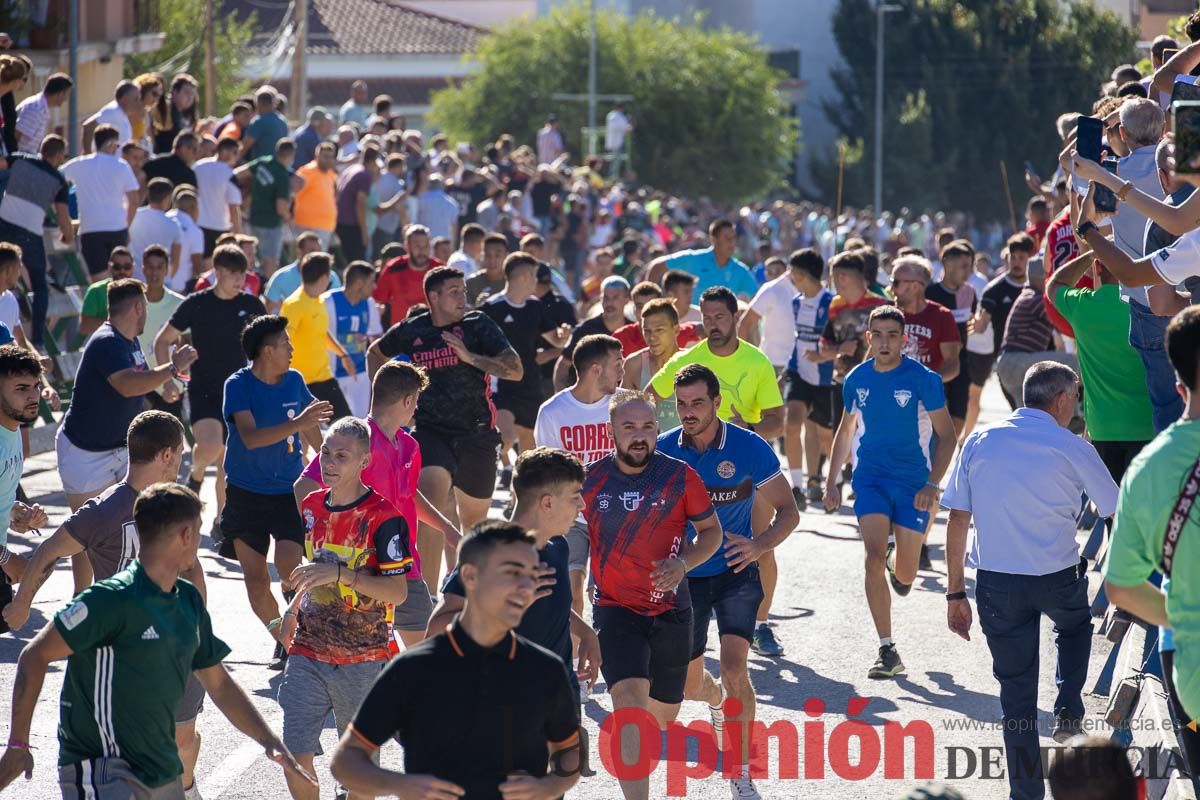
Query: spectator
(489, 280)
(107, 192)
(616, 127)
(269, 180)
(191, 241)
(235, 123)
(95, 299)
(120, 113)
(390, 210)
(151, 225)
(150, 87)
(220, 200)
(357, 108)
(316, 130)
(550, 144)
(33, 114)
(176, 166)
(267, 127)
(286, 280)
(353, 194)
(437, 210)
(715, 265)
(175, 113)
(470, 252)
(316, 201)
(14, 74)
(1028, 337)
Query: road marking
(230, 769)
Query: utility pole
(592, 68)
(73, 101)
(881, 10)
(210, 72)
(298, 102)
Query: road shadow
(13, 642)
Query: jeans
(1147, 332)
(1010, 611)
(33, 250)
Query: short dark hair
(592, 349)
(675, 277)
(1092, 768)
(123, 292)
(1132, 89)
(159, 189)
(9, 254)
(121, 250)
(230, 257)
(664, 306)
(153, 251)
(721, 294)
(1022, 243)
(1183, 345)
(718, 225)
(17, 360)
(542, 469)
(886, 312)
(185, 138)
(646, 289)
(103, 135)
(52, 146)
(58, 82)
(260, 329)
(315, 266)
(514, 261)
(284, 146)
(808, 260)
(396, 380)
(496, 239)
(150, 433)
(359, 271)
(959, 248)
(851, 260)
(477, 546)
(438, 276)
(531, 239)
(162, 506)
(227, 143)
(870, 262)
(473, 232)
(698, 373)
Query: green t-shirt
(1148, 494)
(269, 182)
(95, 300)
(747, 379)
(1115, 403)
(133, 647)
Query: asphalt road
(820, 616)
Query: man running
(738, 468)
(460, 350)
(357, 546)
(891, 402)
(524, 704)
(660, 329)
(130, 643)
(215, 318)
(614, 296)
(354, 324)
(639, 503)
(547, 485)
(268, 409)
(308, 327)
(958, 296)
(402, 281)
(20, 374)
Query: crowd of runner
(364, 340)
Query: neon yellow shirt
(308, 327)
(747, 379)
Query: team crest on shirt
(902, 397)
(863, 394)
(631, 500)
(395, 550)
(308, 519)
(74, 615)
(603, 500)
(726, 469)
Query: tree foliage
(967, 84)
(183, 51)
(708, 120)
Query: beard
(638, 459)
(20, 415)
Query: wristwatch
(952, 596)
(1084, 229)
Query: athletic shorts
(356, 389)
(817, 398)
(311, 689)
(633, 645)
(257, 518)
(111, 779)
(578, 546)
(270, 241)
(205, 402)
(734, 596)
(958, 392)
(193, 701)
(97, 247)
(155, 402)
(88, 472)
(979, 366)
(330, 392)
(470, 459)
(873, 495)
(414, 613)
(210, 240)
(524, 408)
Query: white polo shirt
(111, 114)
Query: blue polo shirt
(272, 469)
(894, 430)
(703, 264)
(732, 468)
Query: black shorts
(210, 240)
(206, 401)
(979, 367)
(734, 596)
(330, 392)
(524, 408)
(257, 518)
(958, 392)
(817, 398)
(470, 459)
(98, 246)
(636, 646)
(155, 402)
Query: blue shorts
(893, 499)
(733, 596)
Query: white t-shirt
(191, 242)
(460, 260)
(616, 125)
(982, 344)
(151, 226)
(216, 192)
(579, 428)
(1179, 261)
(111, 114)
(101, 182)
(773, 304)
(10, 311)
(693, 315)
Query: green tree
(707, 118)
(183, 50)
(968, 84)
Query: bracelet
(1123, 192)
(273, 624)
(952, 596)
(18, 744)
(934, 486)
(679, 558)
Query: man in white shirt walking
(151, 225)
(191, 239)
(107, 193)
(33, 114)
(119, 112)
(219, 197)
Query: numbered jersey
(354, 326)
(104, 526)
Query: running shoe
(765, 643)
(888, 665)
(743, 789)
(193, 792)
(815, 492)
(925, 562)
(798, 496)
(1066, 727)
(901, 589)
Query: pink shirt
(394, 471)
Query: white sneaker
(194, 792)
(743, 789)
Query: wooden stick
(1012, 214)
(841, 174)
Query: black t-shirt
(560, 311)
(99, 416)
(457, 402)
(472, 715)
(171, 167)
(998, 298)
(548, 621)
(962, 314)
(523, 326)
(588, 327)
(540, 194)
(216, 326)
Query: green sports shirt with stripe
(133, 646)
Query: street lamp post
(881, 10)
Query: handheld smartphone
(1088, 138)
(1106, 200)
(1187, 137)
(1168, 53)
(1182, 91)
